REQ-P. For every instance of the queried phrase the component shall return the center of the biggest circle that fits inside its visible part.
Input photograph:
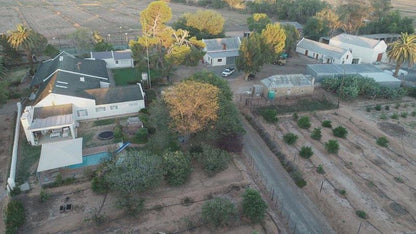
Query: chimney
(224, 46)
(78, 66)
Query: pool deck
(98, 149)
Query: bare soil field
(56, 18)
(378, 180)
(165, 207)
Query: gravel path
(294, 201)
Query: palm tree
(22, 38)
(403, 50)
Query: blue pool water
(92, 159)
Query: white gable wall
(345, 59)
(215, 61)
(366, 55)
(122, 63)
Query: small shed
(115, 59)
(221, 51)
(287, 85)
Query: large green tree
(352, 15)
(315, 28)
(257, 22)
(253, 54)
(274, 37)
(202, 24)
(163, 45)
(390, 23)
(330, 19)
(81, 38)
(22, 38)
(403, 51)
(292, 37)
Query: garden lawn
(126, 76)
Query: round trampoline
(106, 135)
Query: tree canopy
(202, 24)
(23, 38)
(166, 46)
(192, 106)
(257, 22)
(253, 54)
(352, 15)
(403, 51)
(274, 37)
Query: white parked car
(228, 72)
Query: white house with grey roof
(323, 52)
(221, 51)
(115, 59)
(363, 49)
(70, 90)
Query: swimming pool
(92, 159)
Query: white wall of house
(215, 61)
(364, 54)
(108, 110)
(345, 59)
(122, 63)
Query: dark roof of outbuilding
(115, 95)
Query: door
(306, 52)
(317, 56)
(379, 57)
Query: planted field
(364, 179)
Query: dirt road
(299, 207)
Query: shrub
(99, 185)
(43, 196)
(377, 107)
(316, 134)
(298, 178)
(340, 132)
(368, 109)
(306, 152)
(141, 136)
(131, 204)
(218, 211)
(177, 166)
(118, 133)
(253, 205)
(403, 114)
(269, 114)
(213, 160)
(304, 122)
(387, 107)
(327, 124)
(332, 146)
(399, 179)
(413, 113)
(394, 116)
(15, 216)
(382, 141)
(383, 116)
(397, 106)
(361, 214)
(320, 169)
(295, 116)
(342, 192)
(290, 138)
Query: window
(82, 113)
(219, 60)
(348, 56)
(116, 61)
(113, 107)
(100, 109)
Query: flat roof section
(60, 154)
(289, 80)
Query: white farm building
(323, 52)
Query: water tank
(271, 94)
